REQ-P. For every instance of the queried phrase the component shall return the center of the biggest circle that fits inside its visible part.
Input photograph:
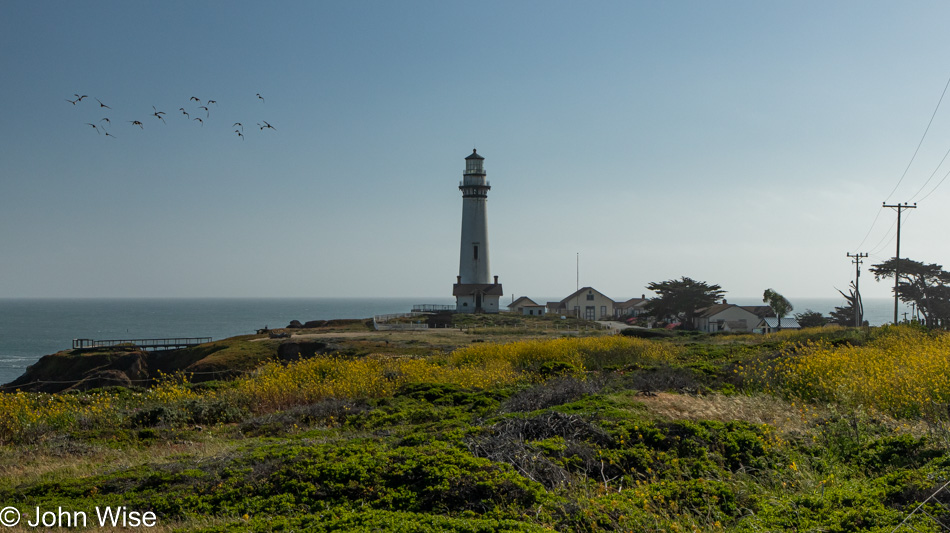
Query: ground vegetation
(823, 429)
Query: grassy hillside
(822, 430)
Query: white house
(587, 303)
(726, 317)
(526, 306)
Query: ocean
(32, 328)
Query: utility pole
(857, 291)
(897, 258)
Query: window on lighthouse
(476, 252)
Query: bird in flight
(241, 135)
(137, 123)
(261, 97)
(158, 114)
(195, 98)
(267, 125)
(72, 101)
(106, 119)
(94, 127)
(199, 120)
(110, 135)
(238, 124)
(79, 98)
(102, 105)
(208, 113)
(183, 112)
(215, 102)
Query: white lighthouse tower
(475, 291)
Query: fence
(382, 322)
(922, 510)
(155, 344)
(431, 308)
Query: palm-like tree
(779, 304)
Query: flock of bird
(103, 123)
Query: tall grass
(482, 365)
(276, 385)
(24, 414)
(593, 353)
(901, 371)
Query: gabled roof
(788, 322)
(468, 289)
(632, 302)
(760, 311)
(581, 291)
(524, 301)
(714, 309)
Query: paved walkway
(613, 324)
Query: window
(603, 311)
(590, 296)
(476, 252)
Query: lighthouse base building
(477, 297)
(475, 290)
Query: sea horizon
(33, 327)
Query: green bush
(647, 333)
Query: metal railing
(429, 308)
(381, 322)
(166, 343)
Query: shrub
(641, 333)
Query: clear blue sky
(748, 144)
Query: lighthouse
(475, 290)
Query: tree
(927, 286)
(682, 298)
(810, 319)
(778, 303)
(844, 316)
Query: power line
(887, 236)
(866, 235)
(922, 137)
(932, 174)
(935, 187)
(890, 237)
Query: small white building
(526, 306)
(770, 324)
(587, 303)
(477, 297)
(725, 317)
(632, 307)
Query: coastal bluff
(130, 366)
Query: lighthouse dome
(474, 155)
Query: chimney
(643, 296)
(724, 301)
(458, 279)
(496, 280)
